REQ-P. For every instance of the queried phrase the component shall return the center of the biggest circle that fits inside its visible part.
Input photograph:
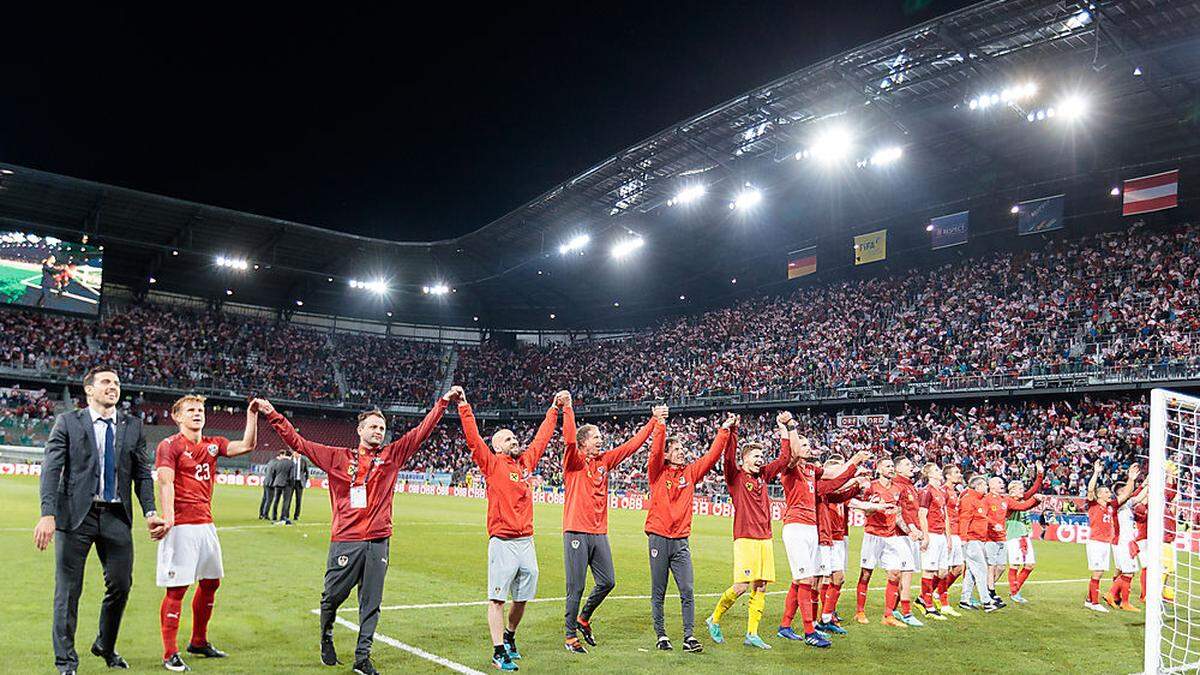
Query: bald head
(504, 442)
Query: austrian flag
(1151, 193)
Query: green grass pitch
(273, 581)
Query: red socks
(1012, 581)
(1093, 595)
(818, 592)
(832, 592)
(168, 616)
(790, 605)
(1025, 572)
(202, 607)
(862, 593)
(927, 591)
(890, 596)
(804, 598)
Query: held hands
(783, 419)
(43, 532)
(263, 406)
(1134, 472)
(1039, 466)
(562, 399)
(860, 457)
(158, 527)
(731, 421)
(454, 395)
(1097, 466)
(660, 412)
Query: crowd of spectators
(26, 416)
(380, 368)
(1114, 301)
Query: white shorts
(1018, 557)
(915, 548)
(1125, 562)
(890, 553)
(189, 553)
(956, 552)
(934, 557)
(1141, 556)
(1098, 553)
(800, 542)
(512, 569)
(833, 556)
(871, 551)
(993, 552)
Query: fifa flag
(1040, 215)
(949, 230)
(802, 263)
(1150, 193)
(871, 247)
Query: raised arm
(828, 485)
(541, 440)
(1091, 486)
(402, 449)
(54, 461)
(698, 468)
(1017, 505)
(1037, 482)
(480, 453)
(572, 460)
(249, 436)
(622, 452)
(658, 446)
(321, 455)
(1127, 489)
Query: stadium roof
(1135, 62)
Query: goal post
(1172, 641)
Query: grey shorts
(994, 553)
(512, 569)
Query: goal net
(1171, 558)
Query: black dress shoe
(111, 659)
(206, 650)
(328, 653)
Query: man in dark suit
(281, 484)
(95, 462)
(264, 508)
(297, 481)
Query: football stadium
(888, 363)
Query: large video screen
(50, 273)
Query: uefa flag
(1040, 215)
(871, 247)
(802, 263)
(1150, 193)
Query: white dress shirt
(99, 428)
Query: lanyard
(355, 466)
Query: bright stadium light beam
(888, 155)
(439, 288)
(1073, 107)
(624, 247)
(832, 145)
(748, 198)
(688, 195)
(576, 243)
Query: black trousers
(293, 488)
(264, 508)
(106, 527)
(355, 563)
(276, 497)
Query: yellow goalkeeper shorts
(753, 560)
(1168, 558)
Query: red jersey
(1007, 505)
(933, 500)
(673, 487)
(1141, 518)
(908, 501)
(194, 464)
(510, 499)
(879, 523)
(361, 468)
(972, 517)
(1169, 515)
(1102, 520)
(802, 483)
(951, 509)
(831, 514)
(748, 492)
(585, 502)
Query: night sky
(384, 122)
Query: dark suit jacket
(304, 464)
(71, 468)
(281, 473)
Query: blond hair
(584, 432)
(189, 398)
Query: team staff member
(512, 559)
(297, 479)
(585, 520)
(973, 528)
(361, 483)
(94, 463)
(669, 523)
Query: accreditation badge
(358, 496)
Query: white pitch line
(415, 651)
(483, 603)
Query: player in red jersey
(747, 478)
(512, 559)
(935, 545)
(833, 537)
(1102, 509)
(186, 465)
(998, 506)
(803, 482)
(955, 560)
(672, 482)
(909, 524)
(1141, 515)
(1019, 535)
(362, 482)
(884, 541)
(973, 529)
(586, 468)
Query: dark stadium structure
(1136, 61)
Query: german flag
(802, 263)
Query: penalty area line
(415, 651)
(484, 603)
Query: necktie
(110, 462)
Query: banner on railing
(870, 247)
(949, 230)
(851, 421)
(1040, 215)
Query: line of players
(944, 533)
